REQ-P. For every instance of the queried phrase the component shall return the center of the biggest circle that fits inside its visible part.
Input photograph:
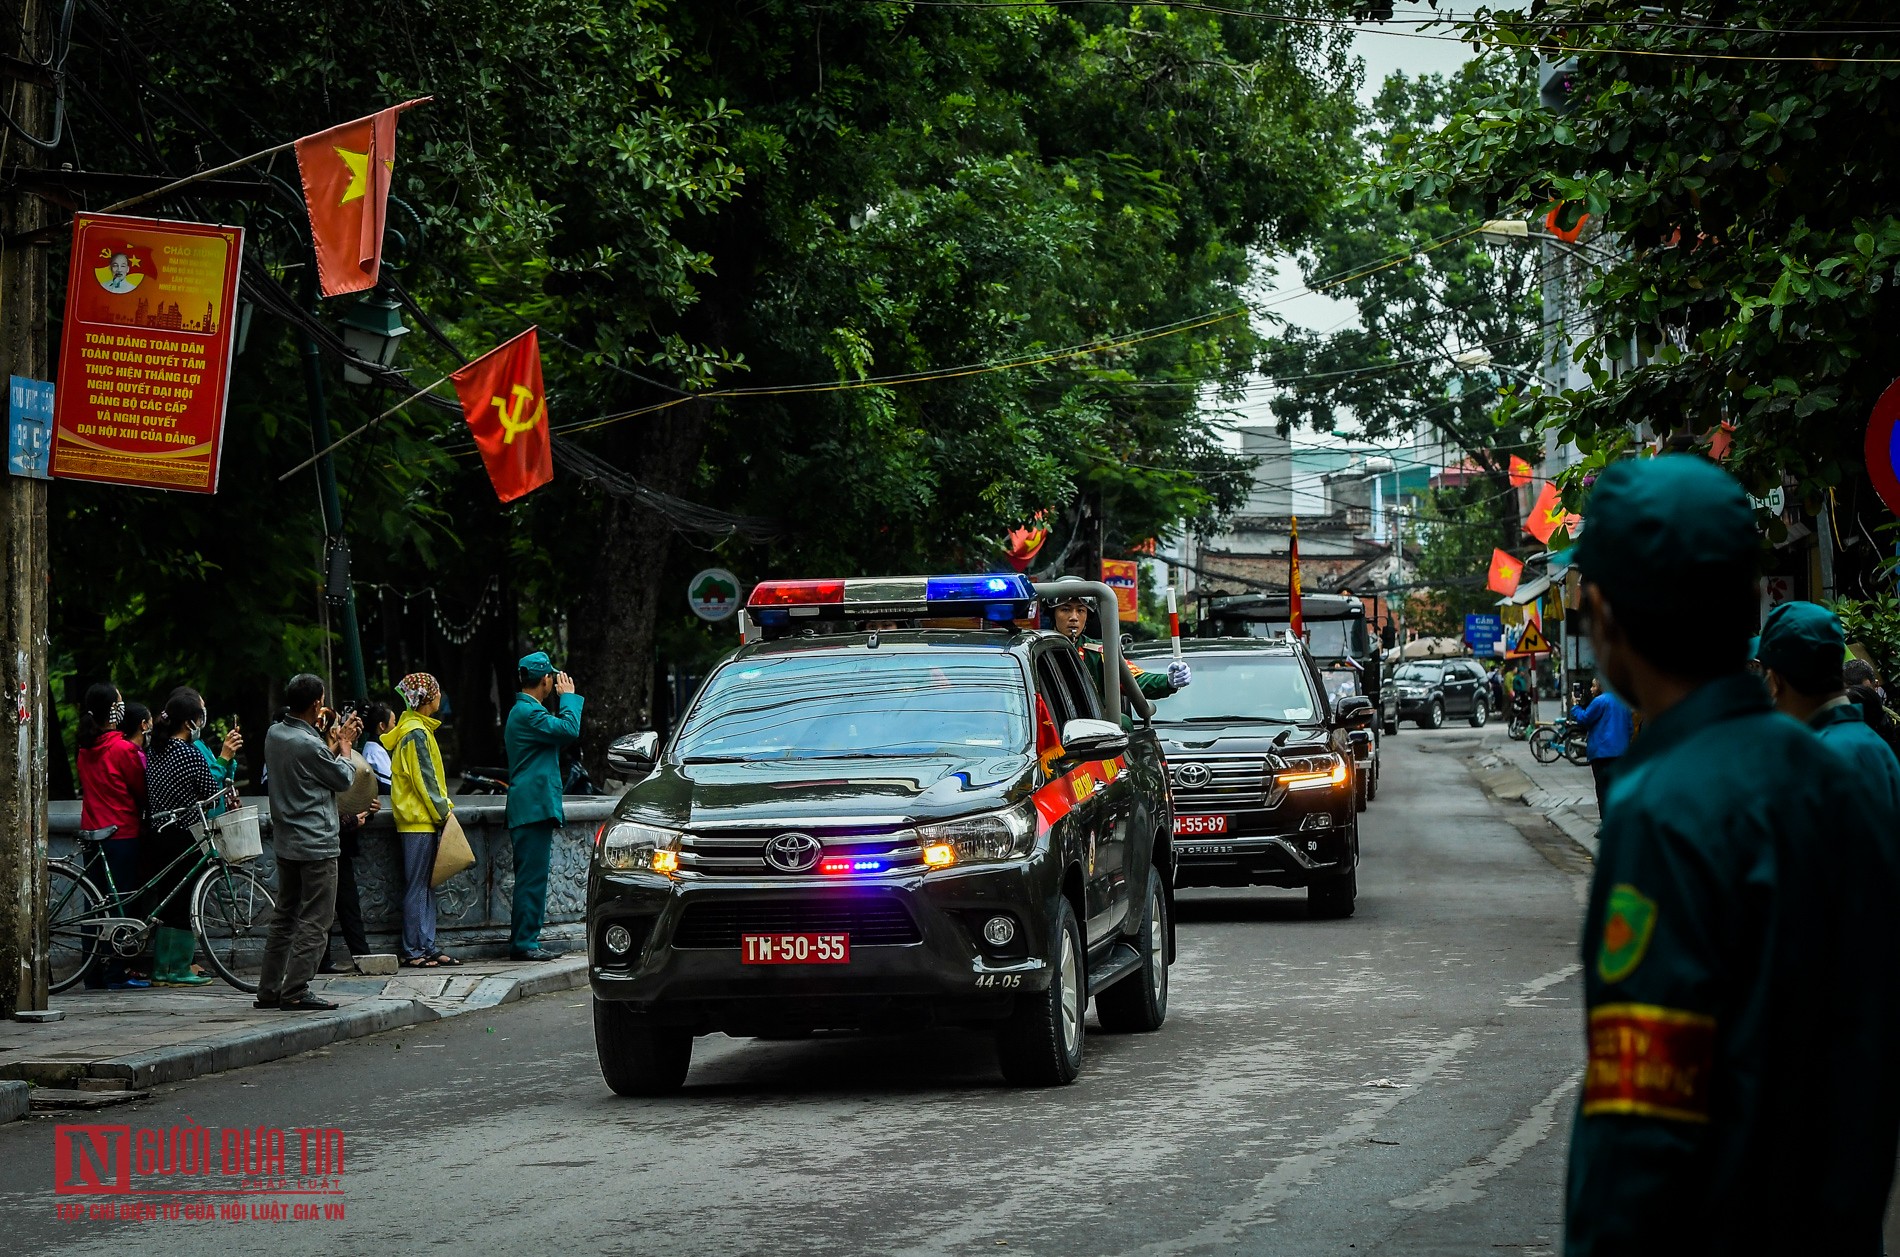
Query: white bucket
(238, 836)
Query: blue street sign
(29, 426)
(1482, 632)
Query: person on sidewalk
(535, 738)
(419, 799)
(378, 719)
(181, 790)
(306, 771)
(111, 797)
(1801, 650)
(1738, 944)
(1605, 722)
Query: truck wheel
(1392, 727)
(1434, 715)
(1333, 898)
(638, 1058)
(1139, 1002)
(1480, 712)
(1041, 1043)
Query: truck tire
(1334, 898)
(1041, 1043)
(1392, 727)
(1434, 717)
(1139, 1002)
(1480, 712)
(638, 1058)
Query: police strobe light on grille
(1003, 598)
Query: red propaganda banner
(1124, 577)
(145, 359)
(506, 406)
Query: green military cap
(536, 665)
(1673, 536)
(1805, 644)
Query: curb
(15, 1099)
(257, 1045)
(1507, 783)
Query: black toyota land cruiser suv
(906, 806)
(1262, 765)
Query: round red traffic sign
(1883, 447)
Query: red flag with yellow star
(1547, 515)
(1505, 571)
(507, 409)
(346, 189)
(1295, 613)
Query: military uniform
(534, 737)
(1805, 645)
(1843, 728)
(1151, 684)
(1738, 950)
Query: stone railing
(473, 906)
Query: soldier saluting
(1071, 617)
(1738, 950)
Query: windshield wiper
(1227, 720)
(719, 759)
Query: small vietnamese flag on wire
(506, 406)
(346, 173)
(1547, 515)
(1505, 571)
(1520, 472)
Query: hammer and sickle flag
(507, 409)
(346, 172)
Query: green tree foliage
(1431, 291)
(1455, 532)
(1726, 160)
(696, 198)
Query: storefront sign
(145, 359)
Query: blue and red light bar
(995, 597)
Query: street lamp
(1518, 229)
(373, 331)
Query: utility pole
(30, 100)
(336, 555)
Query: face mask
(116, 713)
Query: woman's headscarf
(418, 688)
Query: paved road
(1397, 1083)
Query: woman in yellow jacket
(419, 799)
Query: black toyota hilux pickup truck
(1262, 766)
(906, 806)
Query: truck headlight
(631, 845)
(1004, 835)
(1313, 772)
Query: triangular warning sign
(1533, 642)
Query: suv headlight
(631, 845)
(1312, 772)
(1004, 835)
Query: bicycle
(1559, 740)
(231, 909)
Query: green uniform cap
(536, 665)
(1673, 536)
(1805, 644)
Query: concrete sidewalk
(130, 1040)
(1562, 793)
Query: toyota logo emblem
(793, 853)
(1193, 776)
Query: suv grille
(741, 852)
(870, 920)
(1227, 780)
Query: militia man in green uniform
(1803, 652)
(1739, 949)
(1071, 617)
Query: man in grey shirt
(306, 772)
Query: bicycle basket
(238, 835)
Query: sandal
(443, 958)
(420, 962)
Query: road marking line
(1290, 1174)
(1466, 1183)
(1525, 998)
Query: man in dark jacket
(1738, 946)
(535, 737)
(1802, 649)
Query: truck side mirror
(633, 755)
(1092, 739)
(1356, 711)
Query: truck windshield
(1240, 687)
(858, 705)
(1325, 639)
